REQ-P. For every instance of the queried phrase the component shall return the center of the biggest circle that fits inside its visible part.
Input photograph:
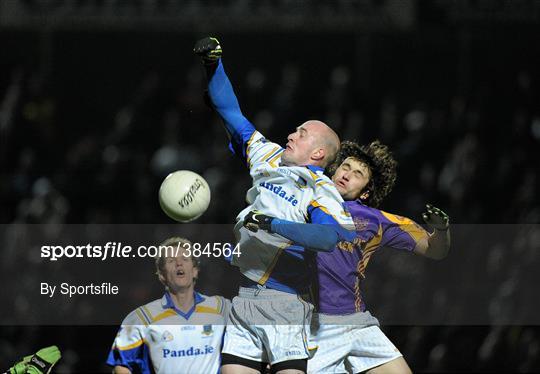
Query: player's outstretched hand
(43, 361)
(254, 221)
(209, 49)
(436, 218)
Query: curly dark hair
(380, 162)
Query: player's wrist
(442, 229)
(272, 224)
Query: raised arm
(437, 244)
(222, 96)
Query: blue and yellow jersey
(293, 193)
(159, 338)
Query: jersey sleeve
(223, 99)
(327, 208)
(129, 349)
(317, 237)
(402, 233)
(259, 151)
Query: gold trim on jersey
(219, 304)
(369, 249)
(268, 271)
(407, 225)
(268, 155)
(142, 317)
(147, 311)
(316, 204)
(138, 343)
(248, 145)
(272, 162)
(206, 309)
(167, 313)
(313, 175)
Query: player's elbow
(437, 253)
(333, 237)
(431, 250)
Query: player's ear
(162, 279)
(364, 195)
(318, 154)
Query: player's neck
(183, 299)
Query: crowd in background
(88, 136)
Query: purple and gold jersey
(341, 271)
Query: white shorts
(348, 344)
(266, 325)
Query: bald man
(269, 319)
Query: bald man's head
(313, 143)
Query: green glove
(43, 361)
(209, 50)
(436, 218)
(20, 367)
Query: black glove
(254, 221)
(436, 218)
(209, 50)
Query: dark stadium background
(99, 100)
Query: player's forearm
(220, 92)
(317, 237)
(222, 97)
(438, 244)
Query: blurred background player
(347, 337)
(268, 322)
(180, 333)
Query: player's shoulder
(390, 220)
(365, 218)
(259, 139)
(261, 150)
(145, 314)
(357, 207)
(212, 304)
(315, 177)
(394, 218)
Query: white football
(184, 195)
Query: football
(184, 195)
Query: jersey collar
(167, 303)
(314, 168)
